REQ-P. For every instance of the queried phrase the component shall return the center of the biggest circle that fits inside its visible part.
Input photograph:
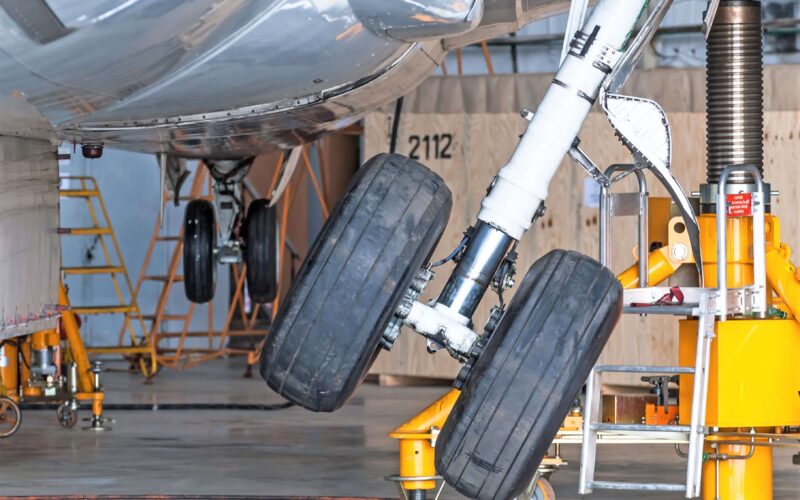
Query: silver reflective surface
(232, 78)
(475, 269)
(411, 20)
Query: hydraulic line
(735, 91)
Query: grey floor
(280, 453)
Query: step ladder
(165, 279)
(701, 303)
(133, 342)
(694, 433)
(705, 304)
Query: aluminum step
(639, 428)
(168, 238)
(615, 485)
(643, 369)
(675, 310)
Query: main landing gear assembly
(216, 233)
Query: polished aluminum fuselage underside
(225, 78)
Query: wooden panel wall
(482, 142)
(337, 162)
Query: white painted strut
(522, 184)
(442, 325)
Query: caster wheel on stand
(329, 329)
(540, 490)
(522, 385)
(261, 251)
(10, 417)
(67, 416)
(199, 240)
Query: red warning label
(740, 204)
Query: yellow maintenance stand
(754, 377)
(752, 367)
(50, 366)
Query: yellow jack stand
(417, 438)
(89, 387)
(753, 371)
(72, 379)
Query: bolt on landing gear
(216, 233)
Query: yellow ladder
(172, 275)
(133, 343)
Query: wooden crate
(465, 129)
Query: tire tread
(327, 333)
(524, 382)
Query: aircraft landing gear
(199, 245)
(364, 276)
(261, 251)
(214, 233)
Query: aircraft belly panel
(255, 129)
(158, 59)
(205, 78)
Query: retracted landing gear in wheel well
(527, 376)
(330, 328)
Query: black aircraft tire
(261, 251)
(524, 382)
(199, 240)
(328, 330)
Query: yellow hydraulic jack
(35, 369)
(753, 379)
(417, 439)
(86, 387)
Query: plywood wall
(479, 143)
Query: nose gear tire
(527, 377)
(328, 330)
